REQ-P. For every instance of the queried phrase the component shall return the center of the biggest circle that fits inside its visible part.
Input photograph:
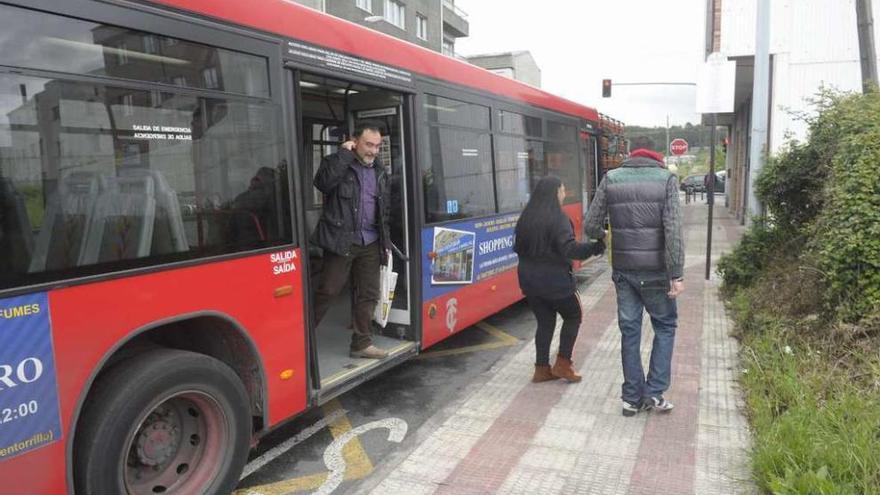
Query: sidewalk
(510, 436)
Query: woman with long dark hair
(546, 244)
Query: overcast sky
(577, 43)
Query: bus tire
(167, 421)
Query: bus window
(457, 179)
(44, 41)
(519, 162)
(511, 172)
(560, 151)
(97, 178)
(516, 123)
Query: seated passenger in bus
(253, 211)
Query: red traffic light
(606, 88)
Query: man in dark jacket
(647, 258)
(353, 231)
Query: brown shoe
(370, 352)
(542, 373)
(562, 368)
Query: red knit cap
(646, 153)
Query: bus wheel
(168, 421)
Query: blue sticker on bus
(452, 206)
(29, 417)
(467, 252)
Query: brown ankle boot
(542, 373)
(562, 368)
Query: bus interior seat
(69, 212)
(123, 221)
(16, 232)
(169, 235)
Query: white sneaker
(630, 409)
(661, 404)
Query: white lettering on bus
(23, 372)
(493, 245)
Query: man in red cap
(640, 200)
(646, 153)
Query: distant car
(693, 182)
(720, 181)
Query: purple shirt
(365, 229)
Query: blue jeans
(637, 290)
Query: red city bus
(156, 203)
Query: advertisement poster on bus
(453, 261)
(467, 252)
(29, 416)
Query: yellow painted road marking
(356, 459)
(504, 340)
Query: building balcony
(455, 23)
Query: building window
(395, 13)
(122, 54)
(178, 81)
(504, 72)
(210, 77)
(151, 44)
(365, 4)
(448, 48)
(128, 105)
(422, 27)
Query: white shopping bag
(387, 284)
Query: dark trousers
(545, 312)
(363, 266)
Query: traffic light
(606, 88)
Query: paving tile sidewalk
(510, 436)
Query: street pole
(710, 190)
(667, 134)
(760, 99)
(866, 44)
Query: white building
(813, 44)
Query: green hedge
(804, 289)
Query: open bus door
(589, 168)
(329, 109)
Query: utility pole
(667, 134)
(866, 44)
(760, 99)
(710, 191)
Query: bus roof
(275, 16)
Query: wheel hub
(157, 442)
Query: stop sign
(678, 146)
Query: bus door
(394, 159)
(589, 172)
(330, 109)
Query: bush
(740, 268)
(847, 233)
(812, 380)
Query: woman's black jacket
(548, 273)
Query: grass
(813, 403)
